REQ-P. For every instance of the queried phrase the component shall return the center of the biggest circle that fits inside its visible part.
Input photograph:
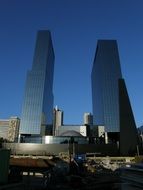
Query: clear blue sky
(76, 25)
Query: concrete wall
(36, 149)
(45, 149)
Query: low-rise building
(9, 129)
(80, 130)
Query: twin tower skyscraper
(38, 98)
(109, 93)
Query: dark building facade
(129, 139)
(105, 74)
(37, 108)
(111, 105)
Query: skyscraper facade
(37, 108)
(110, 100)
(106, 72)
(129, 139)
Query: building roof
(71, 133)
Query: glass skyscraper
(37, 108)
(106, 72)
(110, 100)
